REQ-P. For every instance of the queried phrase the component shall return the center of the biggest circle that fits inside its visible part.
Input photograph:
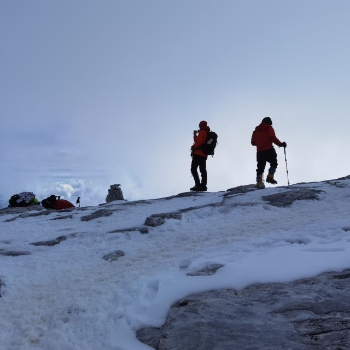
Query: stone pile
(114, 193)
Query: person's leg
(261, 163)
(203, 170)
(272, 159)
(194, 166)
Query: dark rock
(285, 199)
(97, 214)
(206, 271)
(114, 256)
(186, 210)
(344, 178)
(159, 219)
(154, 221)
(51, 243)
(240, 189)
(183, 195)
(63, 217)
(142, 230)
(312, 313)
(12, 253)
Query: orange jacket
(199, 140)
(263, 137)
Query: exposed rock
(344, 178)
(336, 184)
(312, 313)
(154, 221)
(240, 189)
(97, 214)
(159, 219)
(184, 194)
(206, 271)
(51, 243)
(186, 210)
(12, 253)
(285, 199)
(114, 193)
(142, 230)
(114, 256)
(63, 217)
(20, 210)
(29, 215)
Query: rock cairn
(114, 193)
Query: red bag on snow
(63, 204)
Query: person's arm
(273, 138)
(199, 139)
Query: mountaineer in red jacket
(199, 158)
(263, 137)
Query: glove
(284, 144)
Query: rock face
(114, 193)
(307, 314)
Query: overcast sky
(94, 93)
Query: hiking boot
(203, 188)
(270, 179)
(259, 181)
(195, 188)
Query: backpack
(55, 202)
(209, 146)
(22, 199)
(63, 204)
(49, 202)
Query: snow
(67, 297)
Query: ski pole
(285, 158)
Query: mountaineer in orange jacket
(263, 138)
(199, 158)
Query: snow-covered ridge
(88, 278)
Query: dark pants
(201, 162)
(269, 156)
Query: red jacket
(264, 136)
(199, 140)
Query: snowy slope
(66, 296)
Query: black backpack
(49, 202)
(22, 199)
(209, 146)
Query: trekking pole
(285, 158)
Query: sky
(67, 297)
(94, 93)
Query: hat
(267, 120)
(203, 124)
